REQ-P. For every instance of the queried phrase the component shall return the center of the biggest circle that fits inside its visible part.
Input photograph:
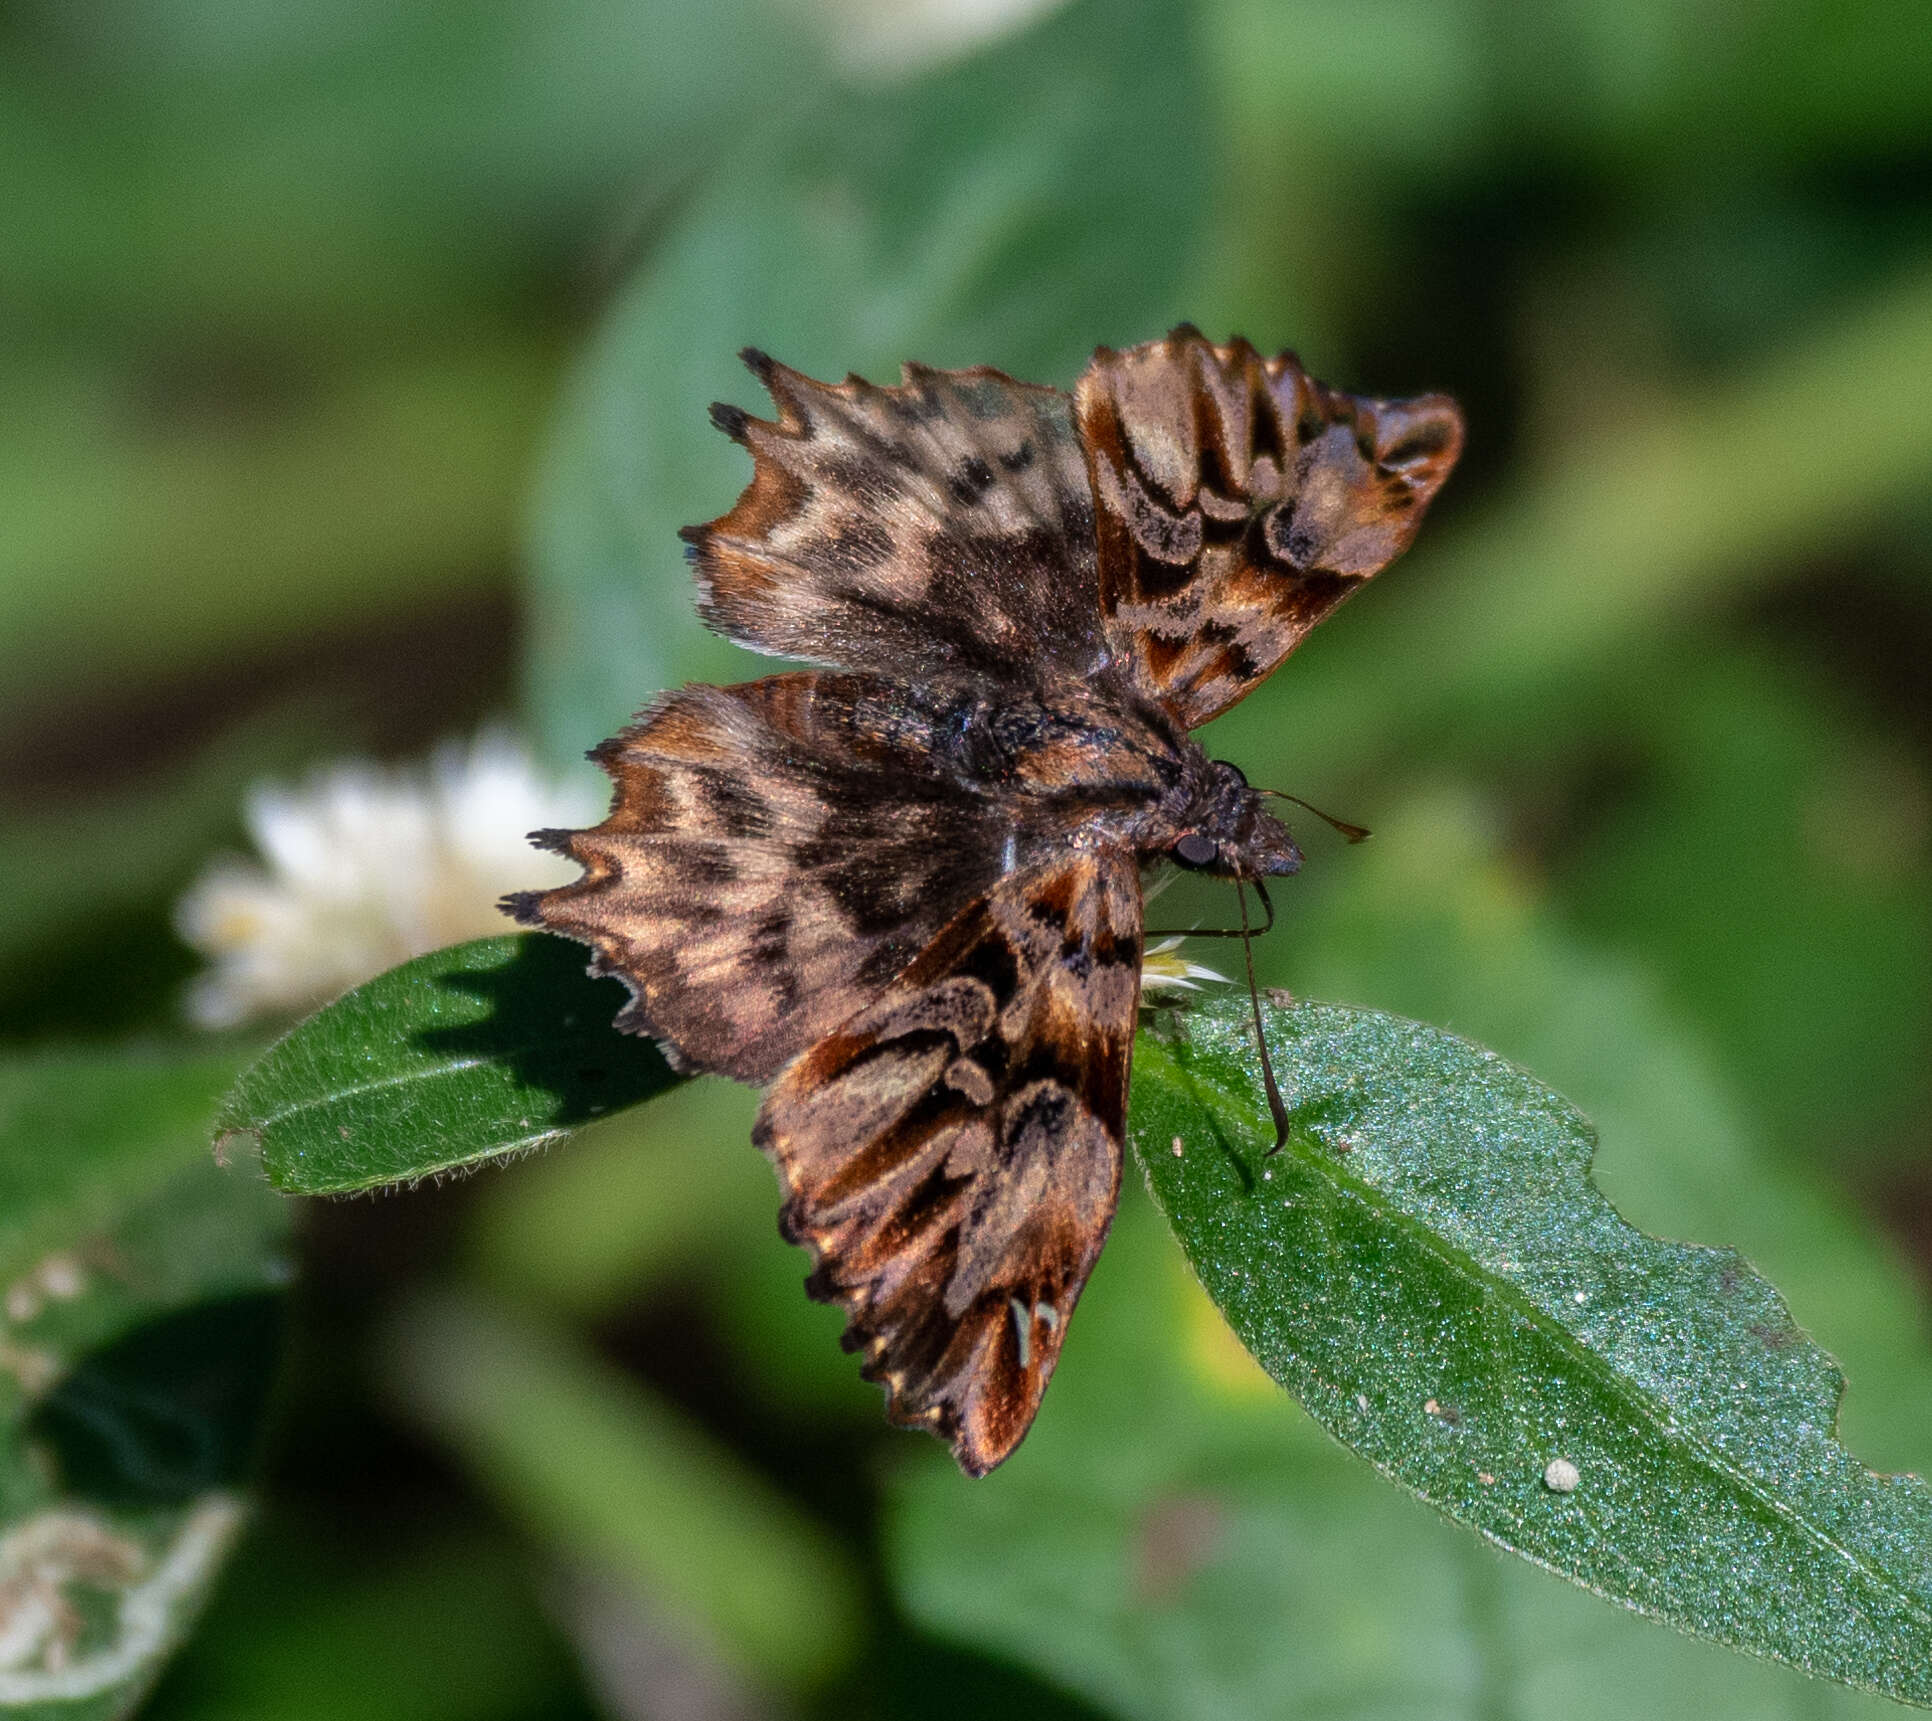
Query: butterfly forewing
(776, 852)
(1238, 501)
(943, 525)
(952, 1154)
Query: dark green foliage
(472, 1053)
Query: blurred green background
(356, 358)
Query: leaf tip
(223, 1146)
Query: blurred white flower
(1162, 965)
(890, 38)
(365, 866)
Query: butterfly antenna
(1354, 833)
(1276, 1109)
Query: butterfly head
(1228, 832)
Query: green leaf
(476, 1052)
(1011, 210)
(1225, 1558)
(490, 1049)
(1431, 922)
(142, 1321)
(1178, 1542)
(1428, 1268)
(1790, 1377)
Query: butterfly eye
(1195, 849)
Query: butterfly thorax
(1093, 766)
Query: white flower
(891, 38)
(1162, 966)
(365, 866)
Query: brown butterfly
(904, 890)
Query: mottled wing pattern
(774, 854)
(952, 1153)
(943, 525)
(1238, 501)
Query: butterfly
(902, 891)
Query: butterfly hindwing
(952, 1153)
(942, 525)
(775, 853)
(1237, 502)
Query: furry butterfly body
(903, 891)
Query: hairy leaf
(1201, 1550)
(1436, 921)
(1177, 1541)
(1428, 1268)
(468, 1054)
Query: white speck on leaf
(1560, 1476)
